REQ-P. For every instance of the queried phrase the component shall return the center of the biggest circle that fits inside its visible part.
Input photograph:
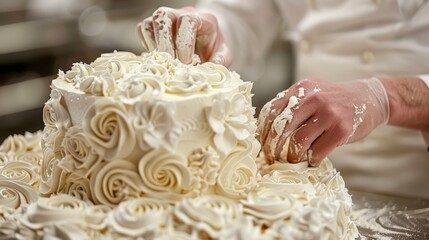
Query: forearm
(409, 102)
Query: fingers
(188, 26)
(146, 34)
(183, 32)
(324, 145)
(164, 26)
(285, 125)
(302, 139)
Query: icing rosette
(33, 158)
(154, 125)
(54, 210)
(138, 217)
(77, 186)
(165, 175)
(238, 173)
(97, 216)
(77, 71)
(15, 145)
(52, 138)
(20, 171)
(52, 176)
(77, 146)
(296, 183)
(268, 205)
(115, 182)
(14, 194)
(155, 69)
(218, 76)
(164, 59)
(115, 67)
(55, 115)
(139, 87)
(213, 215)
(187, 80)
(229, 121)
(109, 129)
(204, 164)
(103, 85)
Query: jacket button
(368, 57)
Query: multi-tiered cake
(145, 146)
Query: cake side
(150, 124)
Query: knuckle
(342, 129)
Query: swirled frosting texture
(146, 147)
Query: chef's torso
(348, 40)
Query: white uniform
(341, 40)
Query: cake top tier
(133, 78)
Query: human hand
(183, 32)
(313, 117)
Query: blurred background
(38, 37)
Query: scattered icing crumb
(315, 120)
(301, 92)
(316, 89)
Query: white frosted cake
(148, 147)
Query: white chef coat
(341, 40)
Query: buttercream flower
(15, 145)
(20, 171)
(54, 210)
(52, 138)
(77, 146)
(115, 182)
(204, 164)
(155, 69)
(212, 214)
(237, 175)
(229, 121)
(103, 85)
(77, 186)
(139, 87)
(268, 205)
(137, 217)
(78, 71)
(97, 216)
(109, 130)
(165, 175)
(52, 176)
(296, 183)
(164, 59)
(155, 126)
(33, 158)
(14, 194)
(187, 80)
(55, 115)
(117, 67)
(218, 76)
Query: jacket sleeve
(249, 27)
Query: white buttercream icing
(168, 151)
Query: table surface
(387, 217)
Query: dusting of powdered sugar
(282, 120)
(301, 92)
(186, 34)
(359, 111)
(164, 38)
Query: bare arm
(409, 102)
